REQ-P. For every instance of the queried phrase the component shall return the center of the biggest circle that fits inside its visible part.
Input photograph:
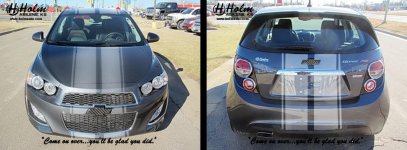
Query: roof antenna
(309, 3)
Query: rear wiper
(308, 48)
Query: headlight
(146, 88)
(156, 83)
(49, 88)
(37, 82)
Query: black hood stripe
(73, 66)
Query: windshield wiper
(107, 44)
(61, 43)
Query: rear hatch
(300, 56)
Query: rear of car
(189, 23)
(196, 28)
(308, 71)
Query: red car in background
(189, 23)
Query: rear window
(309, 32)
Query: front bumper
(53, 110)
(250, 113)
(196, 29)
(171, 23)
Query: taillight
(376, 69)
(243, 68)
(370, 85)
(249, 84)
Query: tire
(179, 25)
(149, 18)
(162, 17)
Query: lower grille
(93, 123)
(105, 99)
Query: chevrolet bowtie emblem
(310, 62)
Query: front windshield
(187, 11)
(309, 32)
(95, 30)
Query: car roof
(305, 9)
(105, 11)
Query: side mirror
(152, 37)
(38, 36)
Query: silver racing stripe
(300, 118)
(331, 116)
(295, 119)
(85, 70)
(111, 68)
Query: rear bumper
(248, 112)
(53, 113)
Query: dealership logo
(233, 10)
(26, 10)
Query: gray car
(308, 70)
(96, 77)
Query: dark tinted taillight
(249, 84)
(370, 85)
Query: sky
(107, 3)
(148, 3)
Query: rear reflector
(376, 69)
(243, 68)
(370, 85)
(249, 84)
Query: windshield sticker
(130, 24)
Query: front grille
(93, 123)
(104, 99)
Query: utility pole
(154, 24)
(387, 9)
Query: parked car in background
(196, 28)
(188, 23)
(162, 10)
(175, 20)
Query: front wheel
(179, 24)
(162, 17)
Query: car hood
(178, 15)
(90, 67)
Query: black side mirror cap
(38, 36)
(152, 37)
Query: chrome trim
(311, 72)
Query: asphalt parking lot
(181, 128)
(393, 136)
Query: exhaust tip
(265, 134)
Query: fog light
(37, 113)
(156, 113)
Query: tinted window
(95, 30)
(187, 11)
(309, 32)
